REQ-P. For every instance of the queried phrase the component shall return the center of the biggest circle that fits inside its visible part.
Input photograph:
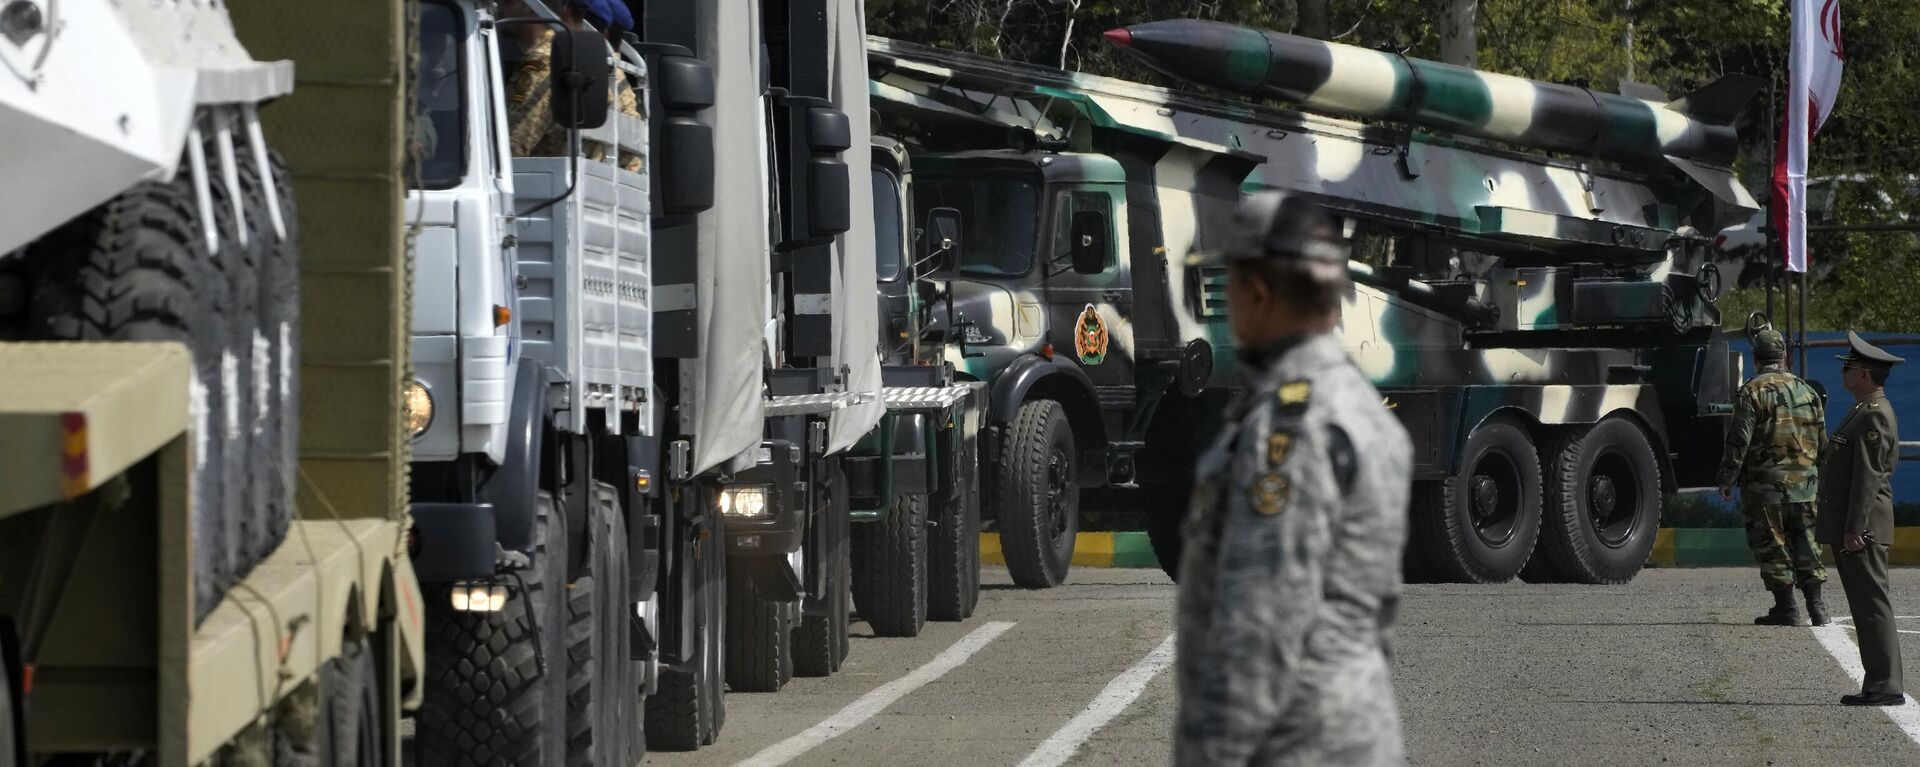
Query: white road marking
(878, 700)
(1118, 694)
(1846, 622)
(1833, 636)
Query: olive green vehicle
(188, 576)
(1542, 325)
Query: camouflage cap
(1864, 355)
(1282, 227)
(1768, 344)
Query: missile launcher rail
(1610, 224)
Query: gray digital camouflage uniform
(1288, 585)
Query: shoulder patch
(1873, 435)
(1295, 392)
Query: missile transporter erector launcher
(1544, 327)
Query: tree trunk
(1458, 44)
(1313, 19)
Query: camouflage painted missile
(1346, 80)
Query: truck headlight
(743, 502)
(418, 407)
(471, 597)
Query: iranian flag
(1813, 85)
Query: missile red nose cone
(1120, 37)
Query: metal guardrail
(1910, 451)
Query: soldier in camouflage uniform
(1772, 453)
(1290, 574)
(531, 129)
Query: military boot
(1785, 611)
(1816, 609)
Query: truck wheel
(9, 740)
(276, 355)
(488, 700)
(759, 638)
(687, 709)
(352, 731)
(1039, 496)
(1480, 526)
(953, 558)
(598, 686)
(138, 269)
(1603, 504)
(819, 640)
(890, 569)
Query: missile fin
(1721, 101)
(1718, 181)
(1643, 91)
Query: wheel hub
(1486, 497)
(1602, 496)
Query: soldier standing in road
(1291, 571)
(1856, 516)
(1773, 453)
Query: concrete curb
(1672, 547)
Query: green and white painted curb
(1674, 547)
(1089, 550)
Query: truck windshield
(996, 216)
(886, 226)
(437, 151)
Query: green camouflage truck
(1543, 326)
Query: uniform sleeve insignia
(1278, 443)
(1270, 494)
(1295, 392)
(1873, 435)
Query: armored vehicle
(191, 574)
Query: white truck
(647, 386)
(164, 590)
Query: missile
(1694, 134)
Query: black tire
(9, 739)
(598, 686)
(487, 699)
(1039, 495)
(277, 445)
(759, 638)
(953, 554)
(1480, 525)
(1164, 510)
(352, 730)
(890, 569)
(1603, 504)
(820, 640)
(687, 708)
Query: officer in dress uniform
(1290, 574)
(1856, 516)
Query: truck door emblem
(1090, 337)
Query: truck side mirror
(582, 66)
(1089, 246)
(943, 239)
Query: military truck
(191, 574)
(1543, 326)
(667, 437)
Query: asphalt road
(1666, 670)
